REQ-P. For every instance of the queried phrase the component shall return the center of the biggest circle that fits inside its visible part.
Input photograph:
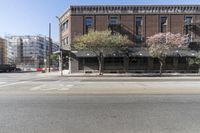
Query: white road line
(47, 89)
(13, 84)
(66, 88)
(2, 82)
(60, 87)
(37, 87)
(63, 89)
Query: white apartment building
(3, 54)
(29, 51)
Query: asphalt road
(35, 103)
(53, 83)
(99, 114)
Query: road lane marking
(12, 84)
(47, 89)
(60, 87)
(37, 87)
(2, 82)
(66, 88)
(63, 89)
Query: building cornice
(65, 13)
(134, 9)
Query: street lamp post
(61, 62)
(45, 64)
(60, 47)
(50, 47)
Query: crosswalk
(34, 86)
(6, 84)
(45, 87)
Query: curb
(133, 75)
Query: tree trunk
(161, 67)
(100, 59)
(199, 69)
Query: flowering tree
(98, 42)
(159, 44)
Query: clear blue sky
(31, 17)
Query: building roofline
(129, 6)
(84, 9)
(26, 35)
(136, 5)
(65, 12)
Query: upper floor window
(65, 25)
(188, 21)
(114, 24)
(114, 20)
(138, 28)
(66, 41)
(88, 24)
(163, 24)
(88, 21)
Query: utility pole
(50, 47)
(60, 47)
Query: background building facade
(29, 51)
(3, 53)
(138, 23)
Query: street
(53, 83)
(39, 103)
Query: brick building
(136, 21)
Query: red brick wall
(76, 26)
(152, 24)
(101, 22)
(127, 22)
(177, 24)
(197, 19)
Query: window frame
(163, 24)
(65, 25)
(137, 27)
(88, 26)
(187, 24)
(66, 41)
(116, 20)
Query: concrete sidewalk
(135, 88)
(124, 75)
(134, 75)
